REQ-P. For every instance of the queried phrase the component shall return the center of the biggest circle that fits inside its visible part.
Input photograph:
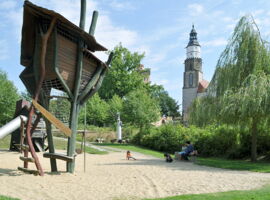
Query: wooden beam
(58, 156)
(30, 171)
(45, 102)
(90, 85)
(93, 23)
(22, 146)
(27, 159)
(83, 13)
(56, 122)
(96, 87)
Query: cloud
(3, 49)
(195, 9)
(215, 42)
(117, 5)
(6, 5)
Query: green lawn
(259, 194)
(7, 198)
(5, 142)
(62, 144)
(58, 144)
(131, 148)
(235, 164)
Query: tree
(168, 105)
(250, 105)
(123, 75)
(115, 106)
(8, 98)
(140, 109)
(97, 111)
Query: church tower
(193, 75)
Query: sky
(159, 29)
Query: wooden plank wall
(67, 51)
(49, 62)
(89, 67)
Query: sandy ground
(112, 177)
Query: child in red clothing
(129, 156)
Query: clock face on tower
(196, 66)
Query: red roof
(203, 84)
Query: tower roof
(193, 41)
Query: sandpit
(112, 177)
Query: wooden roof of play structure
(30, 16)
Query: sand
(112, 177)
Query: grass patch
(134, 148)
(7, 198)
(259, 194)
(235, 164)
(58, 144)
(5, 142)
(62, 145)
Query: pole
(84, 140)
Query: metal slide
(12, 126)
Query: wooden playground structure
(57, 55)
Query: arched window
(190, 80)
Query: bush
(222, 141)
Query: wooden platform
(25, 159)
(22, 147)
(30, 171)
(58, 156)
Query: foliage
(116, 106)
(221, 141)
(168, 105)
(123, 75)
(167, 138)
(97, 111)
(26, 95)
(60, 108)
(140, 109)
(8, 98)
(258, 194)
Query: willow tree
(249, 105)
(240, 86)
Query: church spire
(193, 41)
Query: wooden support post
(75, 104)
(83, 13)
(93, 23)
(46, 103)
(96, 87)
(90, 85)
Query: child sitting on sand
(168, 157)
(129, 156)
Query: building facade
(194, 85)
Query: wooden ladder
(26, 146)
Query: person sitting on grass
(129, 156)
(168, 157)
(184, 154)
